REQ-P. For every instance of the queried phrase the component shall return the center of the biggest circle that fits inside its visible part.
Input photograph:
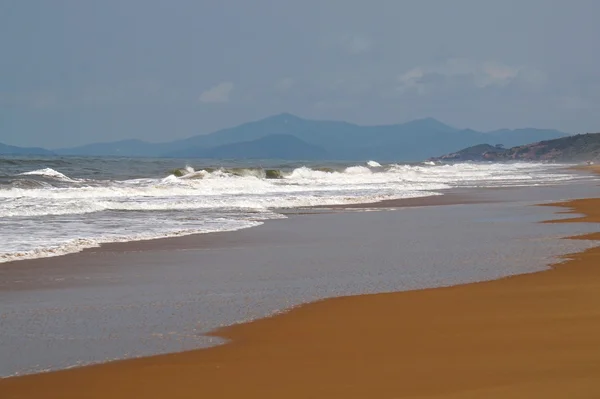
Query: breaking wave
(59, 209)
(47, 172)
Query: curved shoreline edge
(207, 239)
(528, 335)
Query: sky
(79, 71)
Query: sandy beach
(533, 335)
(299, 200)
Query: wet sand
(527, 336)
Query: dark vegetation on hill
(577, 148)
(478, 152)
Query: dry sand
(528, 336)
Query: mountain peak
(427, 119)
(431, 123)
(284, 117)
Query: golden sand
(527, 336)
(594, 168)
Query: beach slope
(527, 336)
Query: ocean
(53, 206)
(137, 299)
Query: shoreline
(55, 266)
(285, 352)
(449, 196)
(209, 240)
(455, 196)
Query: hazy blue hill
(415, 140)
(344, 140)
(275, 146)
(314, 132)
(430, 124)
(412, 142)
(133, 148)
(6, 149)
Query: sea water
(100, 306)
(57, 205)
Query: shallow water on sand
(98, 306)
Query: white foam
(357, 170)
(300, 187)
(48, 172)
(79, 244)
(78, 214)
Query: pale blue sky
(80, 71)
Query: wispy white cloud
(217, 94)
(478, 74)
(357, 44)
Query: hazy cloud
(335, 104)
(469, 63)
(217, 94)
(353, 44)
(464, 71)
(284, 84)
(134, 92)
(357, 44)
(38, 100)
(575, 103)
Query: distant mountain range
(577, 148)
(273, 146)
(13, 150)
(287, 136)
